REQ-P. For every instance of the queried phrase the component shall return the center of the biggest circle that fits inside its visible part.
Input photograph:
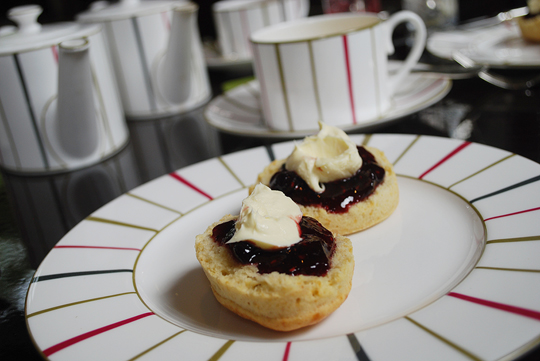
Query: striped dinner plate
(453, 274)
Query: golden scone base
(530, 28)
(362, 215)
(278, 301)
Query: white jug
(59, 106)
(157, 53)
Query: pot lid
(29, 34)
(100, 11)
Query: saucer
(499, 46)
(238, 111)
(215, 61)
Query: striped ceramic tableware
(235, 20)
(157, 55)
(330, 68)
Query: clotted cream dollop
(328, 156)
(268, 218)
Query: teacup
(330, 68)
(236, 20)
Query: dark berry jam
(311, 256)
(338, 195)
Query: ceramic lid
(101, 10)
(29, 34)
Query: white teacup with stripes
(330, 68)
(235, 20)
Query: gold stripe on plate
(77, 303)
(366, 139)
(509, 269)
(103, 220)
(517, 239)
(407, 149)
(156, 345)
(481, 170)
(221, 351)
(231, 171)
(153, 203)
(445, 340)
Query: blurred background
(65, 10)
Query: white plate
(452, 275)
(214, 60)
(497, 46)
(238, 111)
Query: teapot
(59, 105)
(157, 55)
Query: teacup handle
(418, 47)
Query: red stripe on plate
(97, 247)
(62, 345)
(499, 306)
(512, 214)
(448, 156)
(349, 78)
(190, 185)
(287, 349)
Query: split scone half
(361, 215)
(275, 300)
(274, 266)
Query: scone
(273, 288)
(348, 204)
(530, 24)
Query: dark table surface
(473, 110)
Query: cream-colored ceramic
(236, 20)
(157, 54)
(59, 105)
(330, 68)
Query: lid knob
(26, 18)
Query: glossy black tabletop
(36, 211)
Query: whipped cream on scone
(346, 187)
(328, 156)
(269, 219)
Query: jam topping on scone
(311, 256)
(338, 196)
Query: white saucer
(214, 59)
(498, 46)
(238, 110)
